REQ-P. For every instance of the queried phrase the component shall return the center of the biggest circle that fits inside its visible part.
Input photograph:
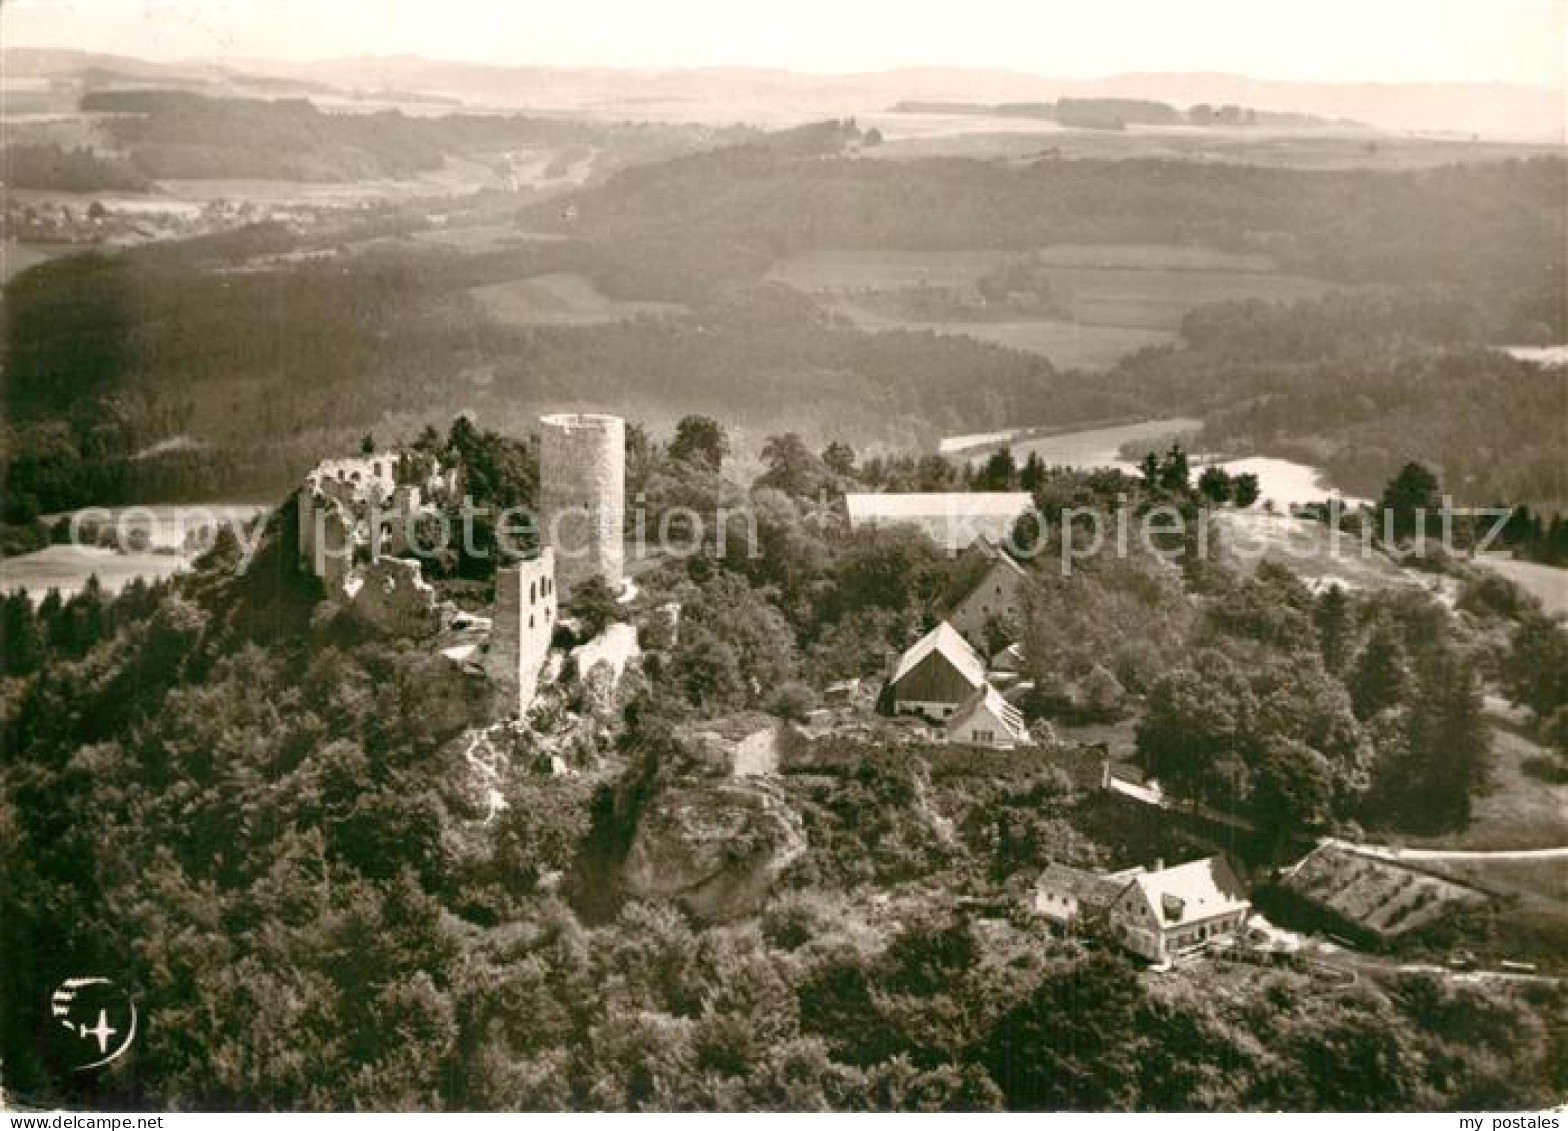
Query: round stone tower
(582, 495)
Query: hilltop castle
(357, 521)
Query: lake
(160, 540)
(1552, 357)
(1284, 482)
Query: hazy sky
(1522, 41)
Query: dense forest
(1119, 113)
(159, 347)
(109, 356)
(252, 809)
(1359, 382)
(728, 214)
(67, 170)
(178, 134)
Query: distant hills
(776, 97)
(1119, 113)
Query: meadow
(1118, 298)
(916, 136)
(1067, 345)
(17, 257)
(560, 300)
(1547, 584)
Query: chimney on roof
(1159, 864)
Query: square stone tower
(582, 495)
(522, 623)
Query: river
(1283, 482)
(154, 542)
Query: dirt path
(1394, 852)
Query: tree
(1293, 788)
(367, 445)
(791, 466)
(1381, 677)
(998, 632)
(1244, 489)
(793, 701)
(1441, 758)
(1555, 731)
(1032, 477)
(840, 458)
(1173, 475)
(1149, 468)
(1412, 497)
(1331, 617)
(998, 473)
(1458, 737)
(1103, 694)
(1214, 484)
(1535, 668)
(700, 440)
(21, 641)
(593, 605)
(1196, 719)
(1073, 1043)
(1357, 1059)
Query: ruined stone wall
(582, 495)
(521, 625)
(392, 595)
(378, 470)
(326, 538)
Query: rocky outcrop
(716, 847)
(601, 665)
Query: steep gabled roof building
(986, 719)
(938, 674)
(993, 587)
(1171, 911)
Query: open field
(67, 569)
(1117, 298)
(1156, 298)
(1090, 447)
(838, 272)
(1306, 546)
(1547, 584)
(560, 300)
(458, 177)
(1519, 809)
(1068, 345)
(1545, 881)
(18, 257)
(482, 237)
(911, 136)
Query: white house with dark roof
(937, 675)
(1173, 911)
(986, 719)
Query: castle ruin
(521, 626)
(582, 495)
